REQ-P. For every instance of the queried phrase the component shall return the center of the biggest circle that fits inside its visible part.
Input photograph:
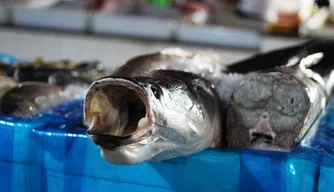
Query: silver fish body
(205, 64)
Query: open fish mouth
(118, 112)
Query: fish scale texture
(50, 152)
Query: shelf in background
(142, 27)
(72, 20)
(219, 36)
(79, 20)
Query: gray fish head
(267, 112)
(137, 120)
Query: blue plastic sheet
(51, 152)
(8, 59)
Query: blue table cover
(8, 59)
(51, 152)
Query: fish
(281, 98)
(91, 70)
(25, 99)
(206, 64)
(39, 70)
(63, 79)
(28, 99)
(150, 118)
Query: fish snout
(262, 130)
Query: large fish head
(267, 112)
(143, 119)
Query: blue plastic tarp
(51, 152)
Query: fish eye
(156, 92)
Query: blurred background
(112, 31)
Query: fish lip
(116, 141)
(139, 134)
(112, 142)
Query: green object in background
(161, 3)
(315, 9)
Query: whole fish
(272, 109)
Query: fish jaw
(118, 112)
